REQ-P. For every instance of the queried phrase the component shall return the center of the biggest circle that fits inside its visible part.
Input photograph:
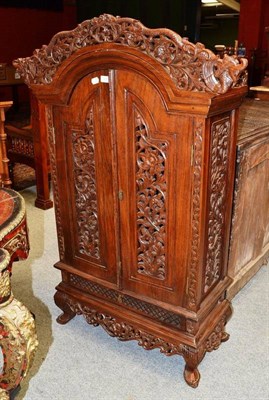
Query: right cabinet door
(154, 180)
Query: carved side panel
(151, 205)
(196, 209)
(85, 189)
(220, 133)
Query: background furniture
(142, 141)
(249, 246)
(4, 169)
(28, 145)
(11, 79)
(17, 327)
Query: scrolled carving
(220, 132)
(18, 343)
(85, 189)
(196, 192)
(191, 66)
(122, 330)
(151, 182)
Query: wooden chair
(28, 145)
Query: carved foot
(192, 376)
(65, 317)
(61, 301)
(225, 336)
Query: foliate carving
(22, 146)
(216, 337)
(151, 182)
(5, 286)
(85, 189)
(220, 132)
(18, 343)
(147, 309)
(191, 66)
(122, 330)
(52, 155)
(18, 243)
(196, 201)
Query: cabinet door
(154, 163)
(87, 179)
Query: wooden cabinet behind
(249, 247)
(142, 136)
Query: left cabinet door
(86, 169)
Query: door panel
(153, 219)
(129, 204)
(88, 186)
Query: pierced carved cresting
(196, 208)
(151, 183)
(191, 66)
(220, 132)
(85, 189)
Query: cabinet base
(177, 344)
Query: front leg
(68, 314)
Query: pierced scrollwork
(220, 131)
(191, 66)
(196, 205)
(151, 184)
(122, 330)
(85, 189)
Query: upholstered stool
(18, 338)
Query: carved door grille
(85, 189)
(151, 206)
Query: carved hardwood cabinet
(142, 133)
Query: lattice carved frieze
(151, 186)
(191, 66)
(145, 308)
(85, 188)
(220, 134)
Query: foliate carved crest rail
(191, 66)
